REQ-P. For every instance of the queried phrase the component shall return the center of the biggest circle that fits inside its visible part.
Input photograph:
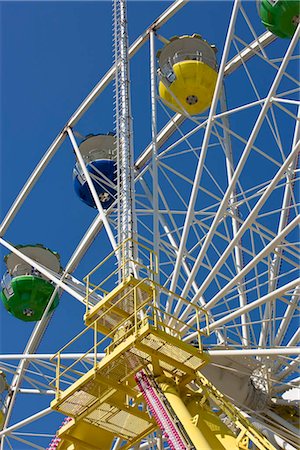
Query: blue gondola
(98, 152)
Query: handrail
(153, 269)
(96, 344)
(146, 311)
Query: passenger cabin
(188, 74)
(281, 17)
(98, 152)
(25, 291)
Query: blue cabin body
(103, 174)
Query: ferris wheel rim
(59, 139)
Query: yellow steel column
(217, 433)
(199, 440)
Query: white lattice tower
(123, 120)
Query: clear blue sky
(52, 54)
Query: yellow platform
(119, 304)
(83, 436)
(136, 336)
(117, 369)
(106, 401)
(107, 396)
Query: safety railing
(146, 312)
(180, 56)
(144, 266)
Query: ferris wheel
(190, 329)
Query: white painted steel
(190, 210)
(43, 270)
(271, 296)
(231, 187)
(227, 352)
(275, 264)
(171, 236)
(235, 213)
(26, 421)
(271, 246)
(89, 100)
(125, 178)
(154, 149)
(92, 189)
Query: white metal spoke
(215, 195)
(271, 246)
(233, 182)
(250, 219)
(269, 297)
(204, 149)
(275, 264)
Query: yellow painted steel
(105, 401)
(83, 436)
(203, 427)
(247, 431)
(214, 431)
(196, 435)
(105, 390)
(195, 81)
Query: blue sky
(52, 54)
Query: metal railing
(149, 270)
(180, 56)
(145, 312)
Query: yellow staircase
(101, 395)
(136, 336)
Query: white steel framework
(217, 198)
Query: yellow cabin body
(193, 89)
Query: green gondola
(281, 17)
(25, 291)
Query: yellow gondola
(188, 74)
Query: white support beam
(276, 351)
(293, 366)
(250, 50)
(92, 189)
(270, 434)
(31, 182)
(235, 213)
(174, 245)
(288, 314)
(40, 328)
(284, 215)
(253, 305)
(42, 270)
(194, 193)
(47, 356)
(27, 421)
(224, 204)
(294, 340)
(255, 352)
(265, 39)
(266, 298)
(260, 256)
(84, 244)
(36, 391)
(154, 171)
(244, 55)
(85, 105)
(247, 223)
